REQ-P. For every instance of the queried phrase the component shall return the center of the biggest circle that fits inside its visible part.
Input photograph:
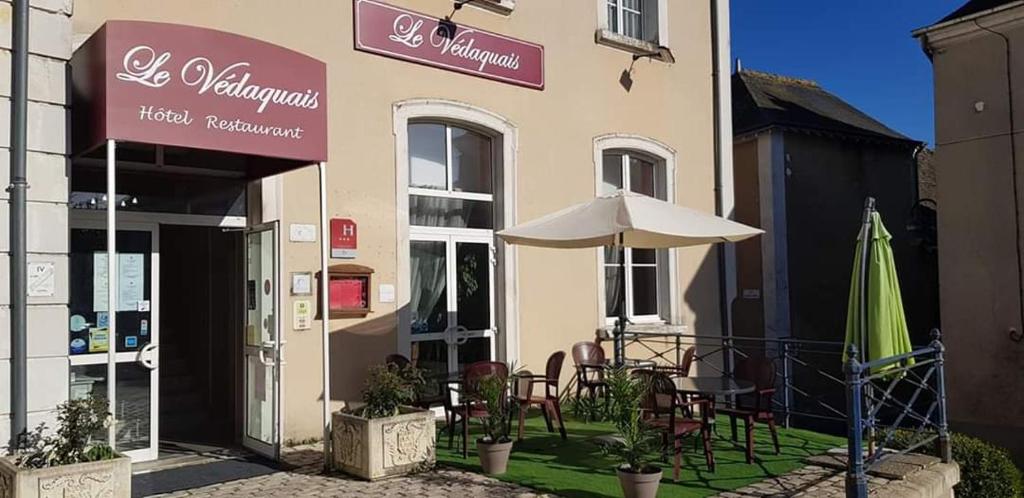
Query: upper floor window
(638, 26)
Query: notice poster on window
(131, 281)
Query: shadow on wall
(357, 347)
(703, 300)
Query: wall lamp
(662, 53)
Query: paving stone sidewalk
(308, 480)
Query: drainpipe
(1015, 333)
(17, 190)
(724, 197)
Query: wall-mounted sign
(344, 239)
(403, 34)
(301, 232)
(302, 283)
(41, 279)
(302, 315)
(171, 84)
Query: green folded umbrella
(887, 333)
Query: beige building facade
(428, 164)
(979, 76)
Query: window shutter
(649, 10)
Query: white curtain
(428, 282)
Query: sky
(860, 50)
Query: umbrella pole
(620, 325)
(869, 207)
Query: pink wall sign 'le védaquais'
(403, 34)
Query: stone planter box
(383, 447)
(107, 479)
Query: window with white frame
(635, 19)
(646, 270)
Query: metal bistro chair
(590, 364)
(663, 409)
(756, 406)
(548, 401)
(470, 403)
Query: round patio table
(710, 387)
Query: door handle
(145, 358)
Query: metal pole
(18, 224)
(856, 478)
(620, 326)
(942, 444)
(787, 386)
(865, 253)
(325, 315)
(112, 290)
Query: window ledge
(503, 7)
(626, 43)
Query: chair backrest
(587, 352)
(684, 367)
(476, 372)
(758, 370)
(761, 371)
(553, 369)
(524, 388)
(398, 360)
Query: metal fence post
(856, 477)
(942, 443)
(787, 386)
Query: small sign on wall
(302, 315)
(344, 239)
(41, 279)
(299, 232)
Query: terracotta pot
(493, 456)
(639, 485)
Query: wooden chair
(590, 364)
(471, 404)
(663, 409)
(756, 406)
(548, 401)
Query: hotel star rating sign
(343, 238)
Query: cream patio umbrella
(622, 220)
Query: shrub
(493, 391)
(388, 387)
(636, 438)
(79, 422)
(986, 470)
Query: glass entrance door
(262, 350)
(452, 301)
(137, 359)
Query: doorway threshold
(182, 466)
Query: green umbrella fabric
(887, 333)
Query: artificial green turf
(576, 468)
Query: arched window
(646, 167)
(454, 191)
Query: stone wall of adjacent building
(48, 108)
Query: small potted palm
(386, 436)
(634, 445)
(74, 460)
(495, 446)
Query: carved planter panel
(384, 447)
(104, 479)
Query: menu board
(348, 293)
(131, 281)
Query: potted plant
(69, 462)
(638, 478)
(385, 437)
(495, 446)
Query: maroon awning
(199, 89)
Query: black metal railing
(820, 388)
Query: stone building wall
(48, 109)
